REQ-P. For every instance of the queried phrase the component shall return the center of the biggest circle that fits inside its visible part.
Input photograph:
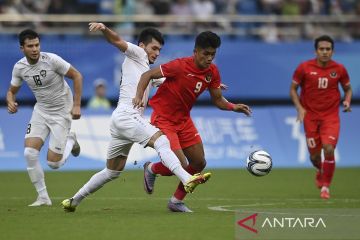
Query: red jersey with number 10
(320, 94)
(184, 83)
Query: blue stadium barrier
(228, 139)
(249, 68)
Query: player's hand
(242, 108)
(12, 107)
(301, 114)
(94, 26)
(76, 112)
(137, 102)
(223, 86)
(346, 105)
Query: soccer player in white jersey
(55, 107)
(127, 123)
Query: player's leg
(37, 131)
(118, 151)
(193, 150)
(329, 132)
(62, 142)
(162, 145)
(313, 141)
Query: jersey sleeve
(60, 65)
(215, 83)
(171, 69)
(16, 79)
(345, 79)
(135, 52)
(298, 74)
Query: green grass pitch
(122, 210)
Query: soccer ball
(259, 163)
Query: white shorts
(127, 128)
(58, 127)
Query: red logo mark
(253, 217)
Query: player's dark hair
(27, 34)
(148, 34)
(207, 39)
(324, 38)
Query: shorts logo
(57, 148)
(332, 137)
(333, 74)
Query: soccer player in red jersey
(186, 79)
(318, 107)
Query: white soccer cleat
(41, 201)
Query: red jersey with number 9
(184, 83)
(320, 94)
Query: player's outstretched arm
(296, 100)
(111, 36)
(11, 99)
(223, 104)
(77, 78)
(145, 78)
(347, 99)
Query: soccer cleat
(149, 179)
(195, 181)
(325, 193)
(66, 204)
(318, 180)
(76, 148)
(41, 201)
(178, 207)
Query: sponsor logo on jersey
(332, 137)
(208, 78)
(313, 73)
(333, 74)
(43, 73)
(190, 75)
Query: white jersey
(46, 80)
(136, 62)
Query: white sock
(175, 200)
(95, 183)
(169, 159)
(35, 171)
(69, 145)
(325, 189)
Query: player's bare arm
(77, 78)
(111, 36)
(296, 100)
(11, 99)
(223, 104)
(347, 99)
(145, 78)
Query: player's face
(204, 57)
(324, 52)
(31, 50)
(153, 50)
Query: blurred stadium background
(262, 43)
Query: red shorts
(321, 131)
(181, 135)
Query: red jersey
(320, 95)
(184, 83)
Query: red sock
(328, 170)
(159, 168)
(180, 192)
